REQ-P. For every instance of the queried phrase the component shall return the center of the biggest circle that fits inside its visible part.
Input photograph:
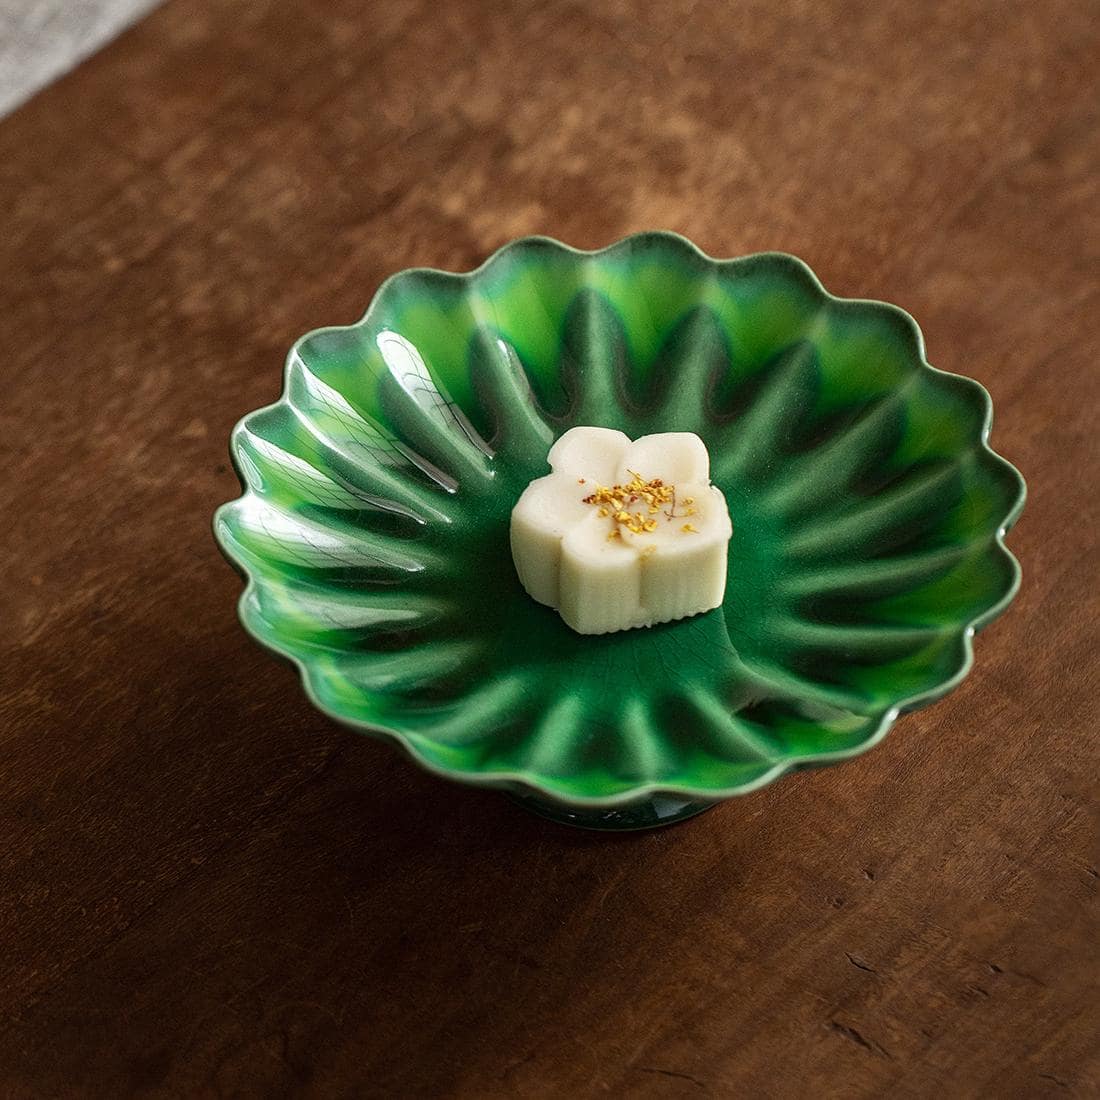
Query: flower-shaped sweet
(869, 515)
(623, 534)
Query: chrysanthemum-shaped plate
(868, 521)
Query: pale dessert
(623, 534)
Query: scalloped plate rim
(538, 786)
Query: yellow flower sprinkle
(688, 529)
(614, 501)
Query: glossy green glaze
(867, 507)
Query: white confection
(601, 575)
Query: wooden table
(209, 889)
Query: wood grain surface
(207, 888)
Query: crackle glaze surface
(868, 515)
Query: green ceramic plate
(868, 511)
